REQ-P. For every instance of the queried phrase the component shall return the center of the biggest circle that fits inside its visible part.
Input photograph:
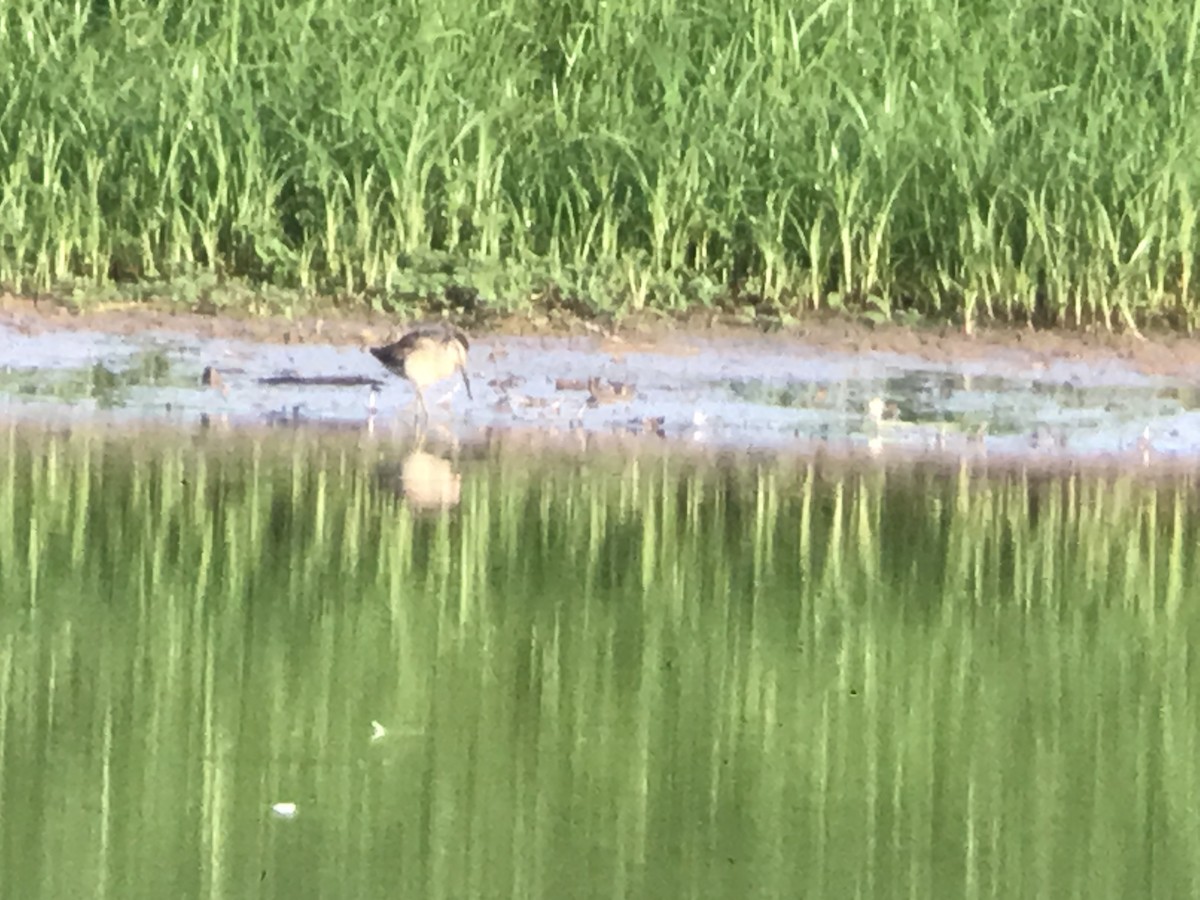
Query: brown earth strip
(1163, 353)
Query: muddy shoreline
(828, 387)
(1153, 353)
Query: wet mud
(831, 387)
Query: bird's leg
(422, 412)
(448, 436)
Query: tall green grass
(612, 677)
(1020, 160)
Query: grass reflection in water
(501, 674)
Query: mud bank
(838, 388)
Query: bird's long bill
(466, 380)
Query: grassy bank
(1020, 161)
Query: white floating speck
(284, 810)
(377, 731)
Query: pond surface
(321, 664)
(738, 393)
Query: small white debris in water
(284, 810)
(377, 731)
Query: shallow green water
(589, 678)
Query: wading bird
(425, 356)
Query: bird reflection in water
(424, 481)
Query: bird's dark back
(392, 356)
(443, 334)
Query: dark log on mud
(323, 381)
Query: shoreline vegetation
(1027, 163)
